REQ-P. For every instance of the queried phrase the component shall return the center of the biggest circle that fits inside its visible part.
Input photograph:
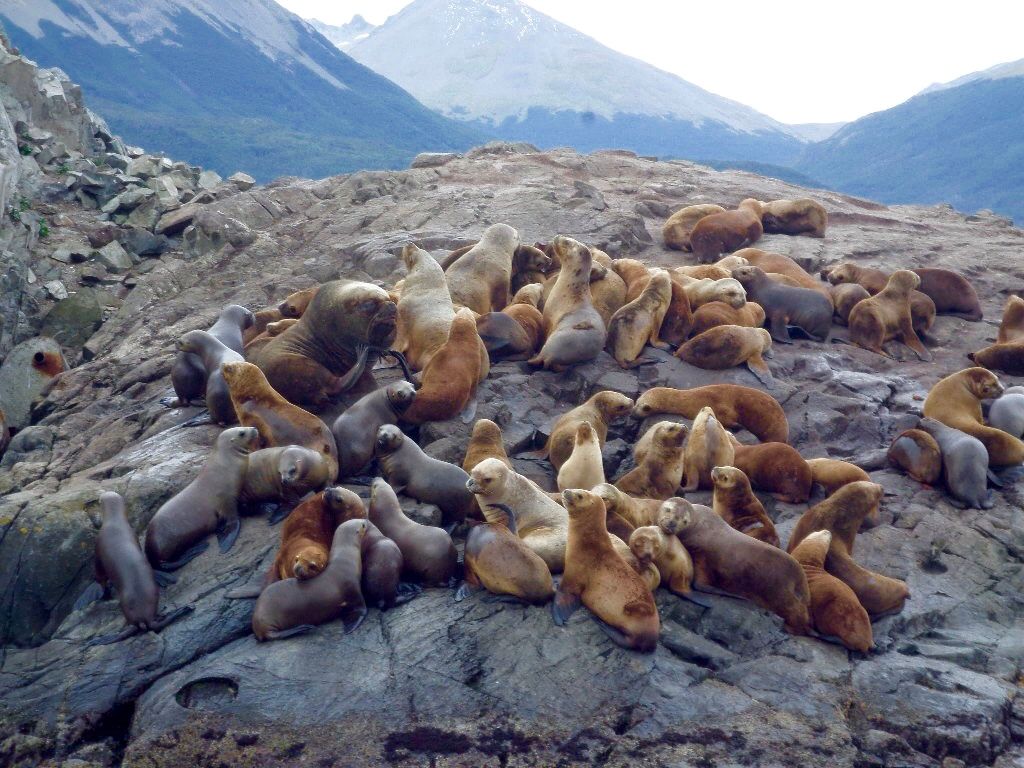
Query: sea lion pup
(952, 293)
(802, 216)
(678, 321)
(659, 472)
(485, 443)
(380, 582)
(634, 512)
(425, 311)
(736, 503)
(651, 544)
(833, 474)
(835, 610)
(916, 453)
(709, 446)
(1006, 413)
(541, 521)
(1011, 328)
(278, 421)
(635, 274)
(585, 467)
(329, 350)
(845, 296)
(786, 307)
(517, 331)
(727, 346)
(284, 473)
(120, 564)
(726, 232)
(775, 468)
(177, 532)
(451, 376)
(716, 313)
(841, 513)
(498, 560)
(600, 410)
(727, 560)
(573, 329)
(294, 304)
(272, 330)
(638, 323)
(880, 595)
(213, 354)
(956, 402)
(596, 575)
(188, 374)
(428, 554)
(355, 430)
(481, 278)
(407, 469)
(291, 607)
(1008, 357)
(964, 464)
(736, 406)
(886, 316)
(701, 272)
(261, 319)
(676, 231)
(922, 308)
(704, 291)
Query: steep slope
(231, 84)
(962, 145)
(504, 66)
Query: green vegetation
(44, 229)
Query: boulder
(72, 321)
(242, 181)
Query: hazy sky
(806, 62)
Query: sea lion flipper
(994, 478)
(187, 556)
(245, 592)
(779, 330)
(228, 534)
(291, 632)
(490, 597)
(693, 598)
(400, 359)
(346, 382)
(1010, 475)
(616, 635)
(171, 402)
(280, 513)
(563, 606)
(201, 419)
(352, 617)
(762, 372)
(469, 412)
(164, 579)
(168, 619)
(407, 592)
(465, 590)
(91, 594)
(828, 639)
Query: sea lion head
(732, 262)
(613, 405)
(530, 259)
(389, 440)
(731, 291)
(748, 276)
(813, 549)
(609, 494)
(345, 313)
(578, 502)
(643, 408)
(501, 236)
(982, 383)
(726, 477)
(585, 433)
(411, 255)
(669, 434)
(295, 304)
(675, 515)
(904, 279)
(872, 493)
(844, 273)
(344, 504)
(112, 504)
(240, 315)
(488, 477)
(646, 543)
(752, 205)
(294, 465)
(192, 341)
(570, 252)
(350, 532)
(309, 562)
(400, 395)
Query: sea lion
(952, 293)
(206, 505)
(845, 296)
(574, 331)
(450, 378)
(956, 402)
(705, 291)
(425, 311)
(289, 607)
(1011, 327)
(726, 346)
(635, 274)
(667, 554)
(485, 443)
(607, 291)
(481, 278)
(355, 430)
(382, 569)
(916, 453)
(407, 469)
(600, 410)
(329, 350)
(278, 421)
(296, 303)
(284, 473)
(835, 609)
(596, 575)
(709, 446)
(585, 467)
(272, 330)
(188, 374)
(261, 319)
(516, 332)
(717, 313)
(727, 560)
(632, 511)
(428, 554)
(119, 563)
(659, 471)
(786, 307)
(638, 323)
(676, 231)
(735, 406)
(678, 321)
(779, 265)
(736, 503)
(922, 308)
(1007, 357)
(26, 372)
(775, 468)
(886, 315)
(1006, 413)
(701, 272)
(833, 474)
(500, 562)
(213, 354)
(725, 232)
(964, 464)
(880, 595)
(841, 513)
(802, 216)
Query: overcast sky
(797, 61)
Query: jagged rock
(242, 181)
(208, 180)
(145, 166)
(166, 191)
(173, 222)
(77, 317)
(113, 257)
(146, 215)
(56, 289)
(142, 242)
(433, 159)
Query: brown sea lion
(659, 472)
(726, 232)
(638, 323)
(916, 453)
(428, 554)
(705, 291)
(290, 607)
(382, 569)
(727, 346)
(676, 231)
(585, 467)
(1007, 357)
(841, 513)
(952, 293)
(607, 291)
(634, 512)
(634, 274)
(425, 311)
(717, 313)
(284, 473)
(845, 296)
(786, 307)
(407, 469)
(965, 464)
(737, 407)
(261, 319)
(880, 595)
(516, 332)
(208, 504)
(678, 321)
(725, 559)
(355, 430)
(213, 355)
(802, 216)
(278, 421)
(600, 410)
(835, 609)
(709, 446)
(188, 374)
(295, 304)
(1011, 327)
(736, 503)
(596, 575)
(485, 443)
(674, 567)
(886, 316)
(775, 468)
(956, 402)
(833, 474)
(922, 308)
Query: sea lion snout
(473, 486)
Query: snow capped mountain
(346, 35)
(998, 72)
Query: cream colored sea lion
(709, 446)
(425, 311)
(886, 315)
(653, 545)
(802, 216)
(735, 406)
(296, 303)
(727, 346)
(638, 323)
(704, 291)
(634, 274)
(735, 502)
(676, 232)
(481, 278)
(607, 291)
(659, 469)
(635, 512)
(600, 410)
(726, 232)
(584, 468)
